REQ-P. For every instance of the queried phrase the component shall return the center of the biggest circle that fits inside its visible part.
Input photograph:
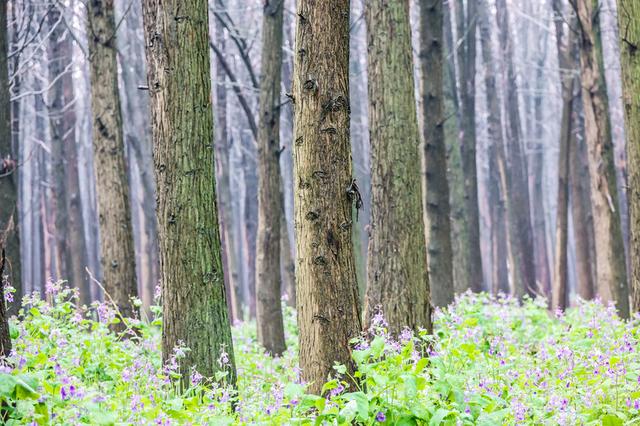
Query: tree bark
(629, 19)
(466, 53)
(398, 276)
(438, 211)
(520, 232)
(9, 238)
(610, 262)
(268, 277)
(117, 254)
(194, 301)
(327, 299)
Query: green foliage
(490, 362)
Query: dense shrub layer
(490, 362)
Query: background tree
(270, 210)
(327, 298)
(193, 294)
(116, 234)
(629, 18)
(438, 222)
(610, 263)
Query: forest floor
(490, 362)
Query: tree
(629, 17)
(193, 294)
(270, 209)
(117, 254)
(438, 222)
(610, 262)
(398, 278)
(8, 166)
(466, 53)
(327, 297)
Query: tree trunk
(398, 276)
(69, 223)
(194, 301)
(117, 254)
(438, 211)
(327, 299)
(629, 17)
(521, 233)
(287, 263)
(268, 278)
(466, 53)
(610, 262)
(8, 167)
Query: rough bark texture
(117, 254)
(69, 224)
(5, 335)
(193, 293)
(466, 52)
(610, 263)
(398, 278)
(520, 229)
(629, 17)
(268, 277)
(8, 167)
(438, 211)
(327, 299)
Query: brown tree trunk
(466, 52)
(8, 167)
(69, 223)
(398, 278)
(117, 254)
(5, 336)
(610, 262)
(327, 299)
(629, 17)
(268, 278)
(438, 211)
(521, 233)
(194, 301)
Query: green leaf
(362, 403)
(438, 416)
(348, 412)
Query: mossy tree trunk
(438, 211)
(398, 278)
(193, 293)
(8, 166)
(270, 210)
(327, 296)
(117, 254)
(629, 17)
(611, 276)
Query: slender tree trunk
(268, 278)
(117, 254)
(466, 53)
(69, 223)
(629, 20)
(610, 261)
(521, 232)
(438, 211)
(8, 167)
(287, 263)
(398, 275)
(327, 299)
(194, 301)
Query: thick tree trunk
(117, 254)
(268, 277)
(398, 277)
(8, 167)
(610, 261)
(438, 211)
(520, 229)
(466, 53)
(327, 299)
(69, 223)
(629, 17)
(194, 301)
